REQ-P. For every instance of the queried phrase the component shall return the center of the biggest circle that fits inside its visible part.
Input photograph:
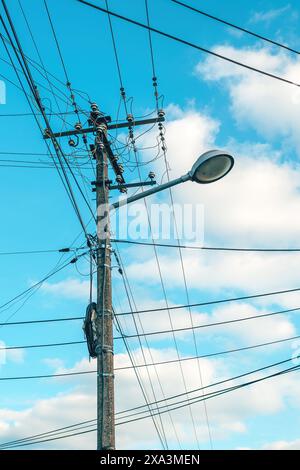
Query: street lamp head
(211, 166)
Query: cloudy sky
(209, 103)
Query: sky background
(209, 103)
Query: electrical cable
(208, 248)
(190, 44)
(61, 250)
(29, 440)
(210, 395)
(18, 296)
(239, 28)
(213, 302)
(129, 293)
(57, 147)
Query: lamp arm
(149, 192)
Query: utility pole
(104, 316)
(102, 313)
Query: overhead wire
(207, 248)
(213, 302)
(32, 109)
(57, 147)
(214, 384)
(31, 440)
(206, 325)
(239, 28)
(158, 363)
(143, 390)
(164, 149)
(130, 300)
(129, 295)
(191, 44)
(36, 284)
(200, 398)
(72, 95)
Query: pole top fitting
(101, 128)
(94, 107)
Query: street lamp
(208, 168)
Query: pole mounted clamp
(107, 374)
(106, 312)
(107, 349)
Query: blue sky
(208, 104)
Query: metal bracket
(132, 185)
(119, 125)
(99, 183)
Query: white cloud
(283, 445)
(268, 105)
(269, 15)
(70, 288)
(249, 272)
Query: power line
(58, 150)
(39, 55)
(190, 44)
(56, 42)
(171, 361)
(31, 114)
(66, 183)
(48, 320)
(214, 354)
(225, 322)
(29, 440)
(18, 296)
(114, 48)
(54, 431)
(74, 104)
(206, 248)
(61, 250)
(220, 382)
(54, 438)
(212, 302)
(49, 345)
(36, 167)
(206, 325)
(154, 80)
(48, 376)
(131, 357)
(129, 296)
(182, 403)
(5, 40)
(239, 28)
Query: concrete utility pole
(104, 318)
